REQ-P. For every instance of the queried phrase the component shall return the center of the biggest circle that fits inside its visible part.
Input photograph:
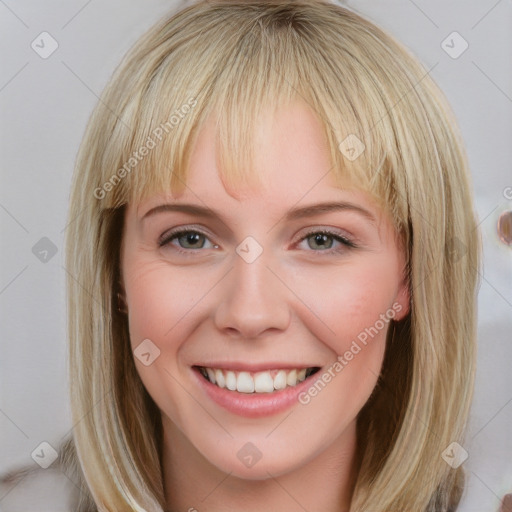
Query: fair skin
(301, 303)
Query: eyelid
(334, 232)
(180, 229)
(347, 241)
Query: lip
(254, 368)
(254, 405)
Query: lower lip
(254, 405)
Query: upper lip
(255, 367)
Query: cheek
(161, 303)
(353, 303)
(358, 311)
(159, 299)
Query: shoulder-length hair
(233, 60)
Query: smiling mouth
(268, 381)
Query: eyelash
(346, 243)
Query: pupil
(192, 237)
(320, 239)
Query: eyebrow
(293, 214)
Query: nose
(254, 300)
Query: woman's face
(256, 298)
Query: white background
(45, 104)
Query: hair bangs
(268, 67)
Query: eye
(187, 239)
(325, 239)
(194, 239)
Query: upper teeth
(260, 382)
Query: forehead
(290, 150)
(291, 163)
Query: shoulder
(37, 490)
(59, 488)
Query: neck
(193, 484)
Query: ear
(403, 300)
(121, 298)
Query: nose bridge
(255, 300)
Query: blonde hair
(233, 60)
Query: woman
(273, 263)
